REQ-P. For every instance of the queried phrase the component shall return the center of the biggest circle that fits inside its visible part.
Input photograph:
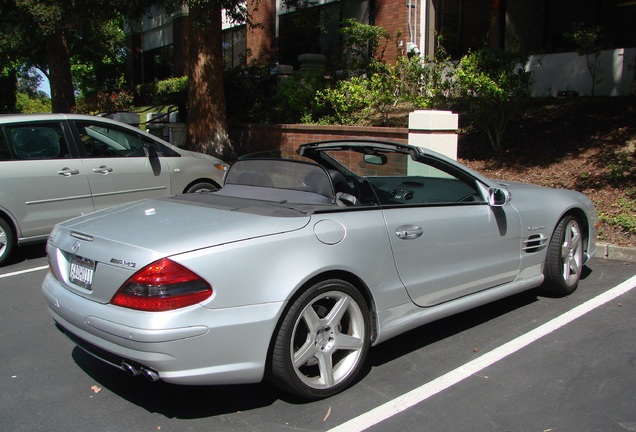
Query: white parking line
(431, 388)
(16, 273)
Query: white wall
(568, 72)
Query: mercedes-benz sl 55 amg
(300, 263)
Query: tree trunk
(8, 90)
(207, 121)
(59, 59)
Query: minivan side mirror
(151, 150)
(498, 197)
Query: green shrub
(168, 92)
(172, 91)
(487, 80)
(409, 84)
(348, 101)
(626, 219)
(622, 166)
(105, 102)
(249, 93)
(29, 105)
(361, 45)
(146, 94)
(295, 97)
(587, 39)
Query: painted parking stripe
(453, 377)
(16, 273)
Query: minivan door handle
(102, 170)
(409, 232)
(67, 172)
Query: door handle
(409, 232)
(102, 170)
(67, 172)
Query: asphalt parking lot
(527, 363)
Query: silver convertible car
(300, 263)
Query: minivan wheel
(202, 187)
(7, 241)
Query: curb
(613, 252)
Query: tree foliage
(364, 45)
(487, 80)
(54, 35)
(587, 39)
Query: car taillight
(162, 286)
(52, 268)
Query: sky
(44, 84)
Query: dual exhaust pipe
(134, 370)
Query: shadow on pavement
(177, 401)
(27, 253)
(191, 402)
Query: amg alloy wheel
(564, 261)
(323, 341)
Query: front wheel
(564, 261)
(322, 342)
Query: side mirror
(150, 150)
(498, 197)
(375, 159)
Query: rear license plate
(81, 272)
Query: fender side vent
(534, 243)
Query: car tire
(565, 257)
(322, 342)
(7, 241)
(202, 187)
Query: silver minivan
(54, 167)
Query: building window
(463, 25)
(158, 64)
(534, 27)
(234, 46)
(310, 30)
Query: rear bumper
(194, 345)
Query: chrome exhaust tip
(150, 375)
(130, 369)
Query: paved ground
(579, 377)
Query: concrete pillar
(434, 130)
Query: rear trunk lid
(94, 255)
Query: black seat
(339, 181)
(344, 192)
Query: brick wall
(390, 14)
(251, 138)
(260, 39)
(393, 16)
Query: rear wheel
(564, 261)
(7, 241)
(322, 342)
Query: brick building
(538, 26)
